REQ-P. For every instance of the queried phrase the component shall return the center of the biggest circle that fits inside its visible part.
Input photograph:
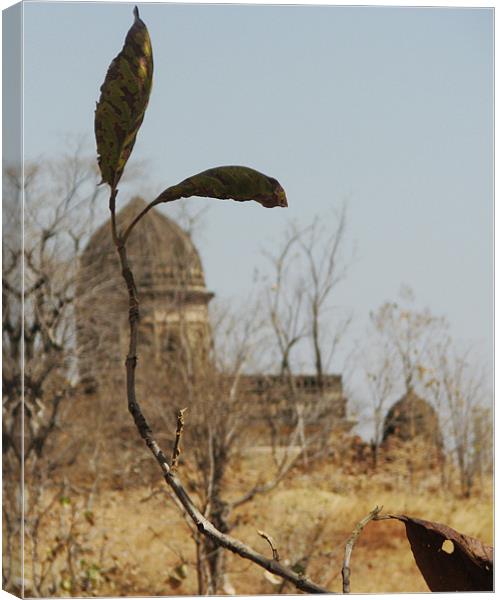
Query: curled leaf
(233, 182)
(448, 560)
(123, 102)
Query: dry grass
(138, 539)
(137, 542)
(382, 560)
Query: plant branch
(168, 195)
(178, 435)
(271, 543)
(204, 526)
(346, 569)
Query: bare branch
(178, 434)
(203, 525)
(346, 569)
(271, 543)
(283, 471)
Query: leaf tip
(281, 197)
(277, 198)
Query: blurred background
(332, 357)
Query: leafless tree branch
(271, 543)
(346, 569)
(203, 525)
(178, 434)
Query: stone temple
(171, 289)
(174, 326)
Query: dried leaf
(174, 581)
(181, 571)
(123, 102)
(233, 182)
(89, 517)
(449, 561)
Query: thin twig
(383, 517)
(168, 195)
(270, 541)
(204, 526)
(178, 434)
(346, 569)
(283, 470)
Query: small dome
(411, 417)
(162, 255)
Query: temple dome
(171, 290)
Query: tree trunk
(215, 555)
(219, 516)
(375, 452)
(317, 349)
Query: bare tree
(381, 380)
(38, 341)
(218, 418)
(483, 445)
(394, 357)
(459, 388)
(285, 299)
(325, 268)
(410, 335)
(306, 272)
(415, 353)
(222, 420)
(53, 232)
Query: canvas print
(247, 299)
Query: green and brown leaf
(236, 183)
(123, 102)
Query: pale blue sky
(390, 109)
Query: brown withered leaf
(463, 564)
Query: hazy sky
(389, 109)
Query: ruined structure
(275, 391)
(282, 402)
(412, 417)
(174, 332)
(172, 294)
